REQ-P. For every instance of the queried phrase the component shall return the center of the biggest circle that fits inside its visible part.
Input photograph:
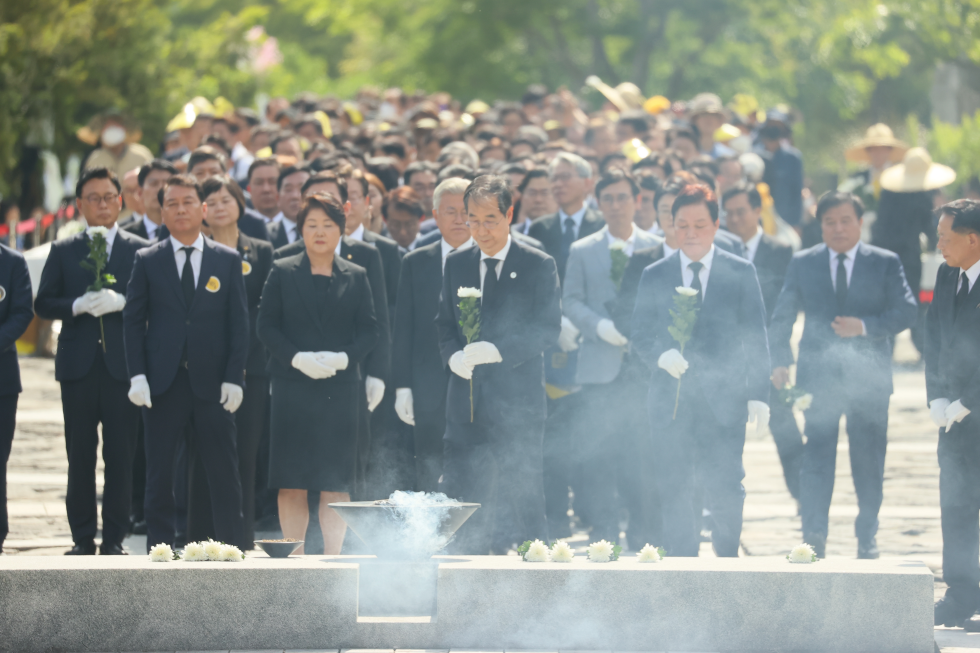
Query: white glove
(83, 304)
(459, 367)
(481, 353)
(336, 360)
(375, 389)
(231, 396)
(759, 413)
(672, 362)
(107, 301)
(405, 405)
(608, 332)
(307, 363)
(139, 391)
(568, 338)
(956, 412)
(937, 412)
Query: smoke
(417, 522)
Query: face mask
(112, 136)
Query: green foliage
(957, 147)
(685, 316)
(469, 318)
(96, 261)
(788, 395)
(619, 262)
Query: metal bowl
(405, 532)
(279, 549)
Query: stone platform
(486, 603)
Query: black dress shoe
(83, 549)
(818, 542)
(139, 528)
(951, 613)
(868, 550)
(111, 550)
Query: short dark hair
(834, 198)
(609, 158)
(328, 177)
(270, 161)
(384, 169)
(694, 194)
(460, 170)
(681, 133)
(326, 203)
(206, 153)
(614, 176)
(486, 186)
(185, 181)
(647, 179)
(750, 191)
(155, 164)
(669, 187)
(213, 184)
(638, 119)
(655, 160)
(420, 166)
(403, 199)
(96, 173)
(965, 214)
(289, 170)
(534, 173)
(393, 148)
(280, 137)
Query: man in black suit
(152, 177)
(493, 452)
(418, 373)
(743, 210)
(263, 187)
(952, 358)
(90, 364)
(282, 229)
(207, 162)
(359, 216)
(855, 300)
(723, 376)
(15, 316)
(187, 340)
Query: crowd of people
(552, 313)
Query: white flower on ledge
(687, 292)
(803, 403)
(230, 553)
(648, 554)
(537, 552)
(194, 552)
(469, 292)
(212, 549)
(602, 551)
(561, 552)
(161, 553)
(802, 554)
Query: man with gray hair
(419, 376)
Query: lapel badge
(3, 293)
(349, 257)
(213, 285)
(246, 268)
(513, 275)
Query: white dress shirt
(289, 226)
(752, 244)
(448, 249)
(576, 217)
(358, 234)
(971, 274)
(151, 228)
(630, 242)
(499, 256)
(196, 255)
(687, 274)
(668, 250)
(848, 265)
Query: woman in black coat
(317, 321)
(226, 205)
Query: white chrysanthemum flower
(618, 244)
(212, 549)
(561, 552)
(230, 553)
(469, 292)
(648, 554)
(537, 552)
(161, 553)
(801, 554)
(803, 403)
(194, 552)
(97, 231)
(600, 551)
(687, 292)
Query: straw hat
(917, 172)
(706, 103)
(879, 135)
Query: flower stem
(471, 401)
(678, 399)
(102, 330)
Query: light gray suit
(586, 291)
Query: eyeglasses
(622, 198)
(489, 225)
(108, 198)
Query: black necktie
(695, 267)
(187, 277)
(567, 238)
(489, 279)
(963, 293)
(841, 288)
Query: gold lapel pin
(349, 257)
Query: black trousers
(959, 500)
(500, 468)
(789, 445)
(867, 434)
(8, 420)
(691, 448)
(176, 413)
(95, 398)
(250, 419)
(139, 476)
(427, 436)
(558, 463)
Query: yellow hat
(201, 105)
(183, 120)
(743, 105)
(656, 105)
(353, 113)
(324, 121)
(726, 133)
(477, 107)
(222, 107)
(917, 172)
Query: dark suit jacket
(547, 231)
(415, 359)
(215, 327)
(952, 343)
(256, 264)
(15, 315)
(878, 294)
(289, 317)
(139, 229)
(522, 321)
(784, 174)
(378, 362)
(62, 282)
(252, 224)
(277, 236)
(729, 242)
(771, 260)
(391, 261)
(728, 354)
